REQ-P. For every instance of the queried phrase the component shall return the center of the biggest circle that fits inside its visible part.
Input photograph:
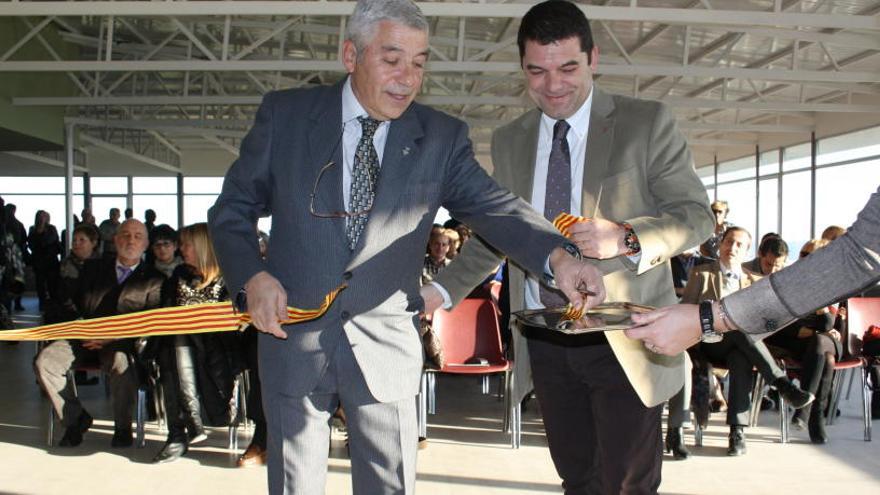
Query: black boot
(736, 442)
(816, 422)
(796, 397)
(171, 451)
(73, 435)
(189, 396)
(675, 444)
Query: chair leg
(50, 435)
(866, 403)
(849, 387)
(422, 405)
(432, 398)
(784, 420)
(698, 434)
(757, 394)
(140, 417)
(836, 392)
(233, 425)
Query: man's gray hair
(369, 13)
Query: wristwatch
(707, 324)
(630, 240)
(572, 250)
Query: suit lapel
(524, 153)
(600, 138)
(324, 145)
(399, 158)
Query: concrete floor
(467, 453)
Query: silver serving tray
(602, 318)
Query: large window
(30, 194)
(158, 194)
(796, 209)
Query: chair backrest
(862, 312)
(469, 330)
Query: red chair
(862, 312)
(471, 341)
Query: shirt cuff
(447, 300)
(636, 258)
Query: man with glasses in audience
(353, 175)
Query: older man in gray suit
(353, 175)
(621, 163)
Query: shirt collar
(120, 265)
(579, 122)
(735, 271)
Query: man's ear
(349, 56)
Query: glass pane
(35, 185)
(154, 185)
(202, 185)
(741, 168)
(852, 146)
(796, 209)
(195, 207)
(769, 163)
(165, 206)
(109, 185)
(710, 191)
(796, 157)
(101, 207)
(265, 224)
(842, 192)
(768, 218)
(740, 197)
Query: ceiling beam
(127, 153)
(435, 67)
(45, 160)
(436, 9)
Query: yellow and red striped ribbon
(197, 318)
(564, 221)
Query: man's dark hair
(163, 232)
(555, 20)
(150, 215)
(129, 213)
(731, 230)
(773, 245)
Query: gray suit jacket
(428, 162)
(639, 170)
(846, 266)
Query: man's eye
(391, 61)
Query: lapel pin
(406, 151)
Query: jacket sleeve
(246, 196)
(844, 267)
(683, 216)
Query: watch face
(712, 338)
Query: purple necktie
(557, 197)
(122, 273)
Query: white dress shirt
(577, 148)
(351, 136)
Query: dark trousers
(602, 439)
(53, 362)
(739, 353)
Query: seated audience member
(813, 341)
(772, 256)
(164, 248)
(711, 282)
(709, 248)
(682, 266)
(105, 287)
(255, 454)
(186, 361)
(439, 245)
(84, 247)
(832, 232)
(464, 232)
(454, 243)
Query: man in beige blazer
(632, 175)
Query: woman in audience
(164, 248)
(45, 246)
(188, 360)
(439, 245)
(84, 247)
(812, 341)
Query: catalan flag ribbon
(564, 221)
(197, 318)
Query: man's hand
(668, 330)
(598, 238)
(580, 281)
(96, 344)
(432, 297)
(266, 303)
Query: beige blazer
(638, 169)
(704, 283)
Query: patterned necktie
(557, 198)
(122, 273)
(363, 180)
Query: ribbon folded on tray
(197, 318)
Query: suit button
(344, 315)
(346, 276)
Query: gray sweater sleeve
(847, 265)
